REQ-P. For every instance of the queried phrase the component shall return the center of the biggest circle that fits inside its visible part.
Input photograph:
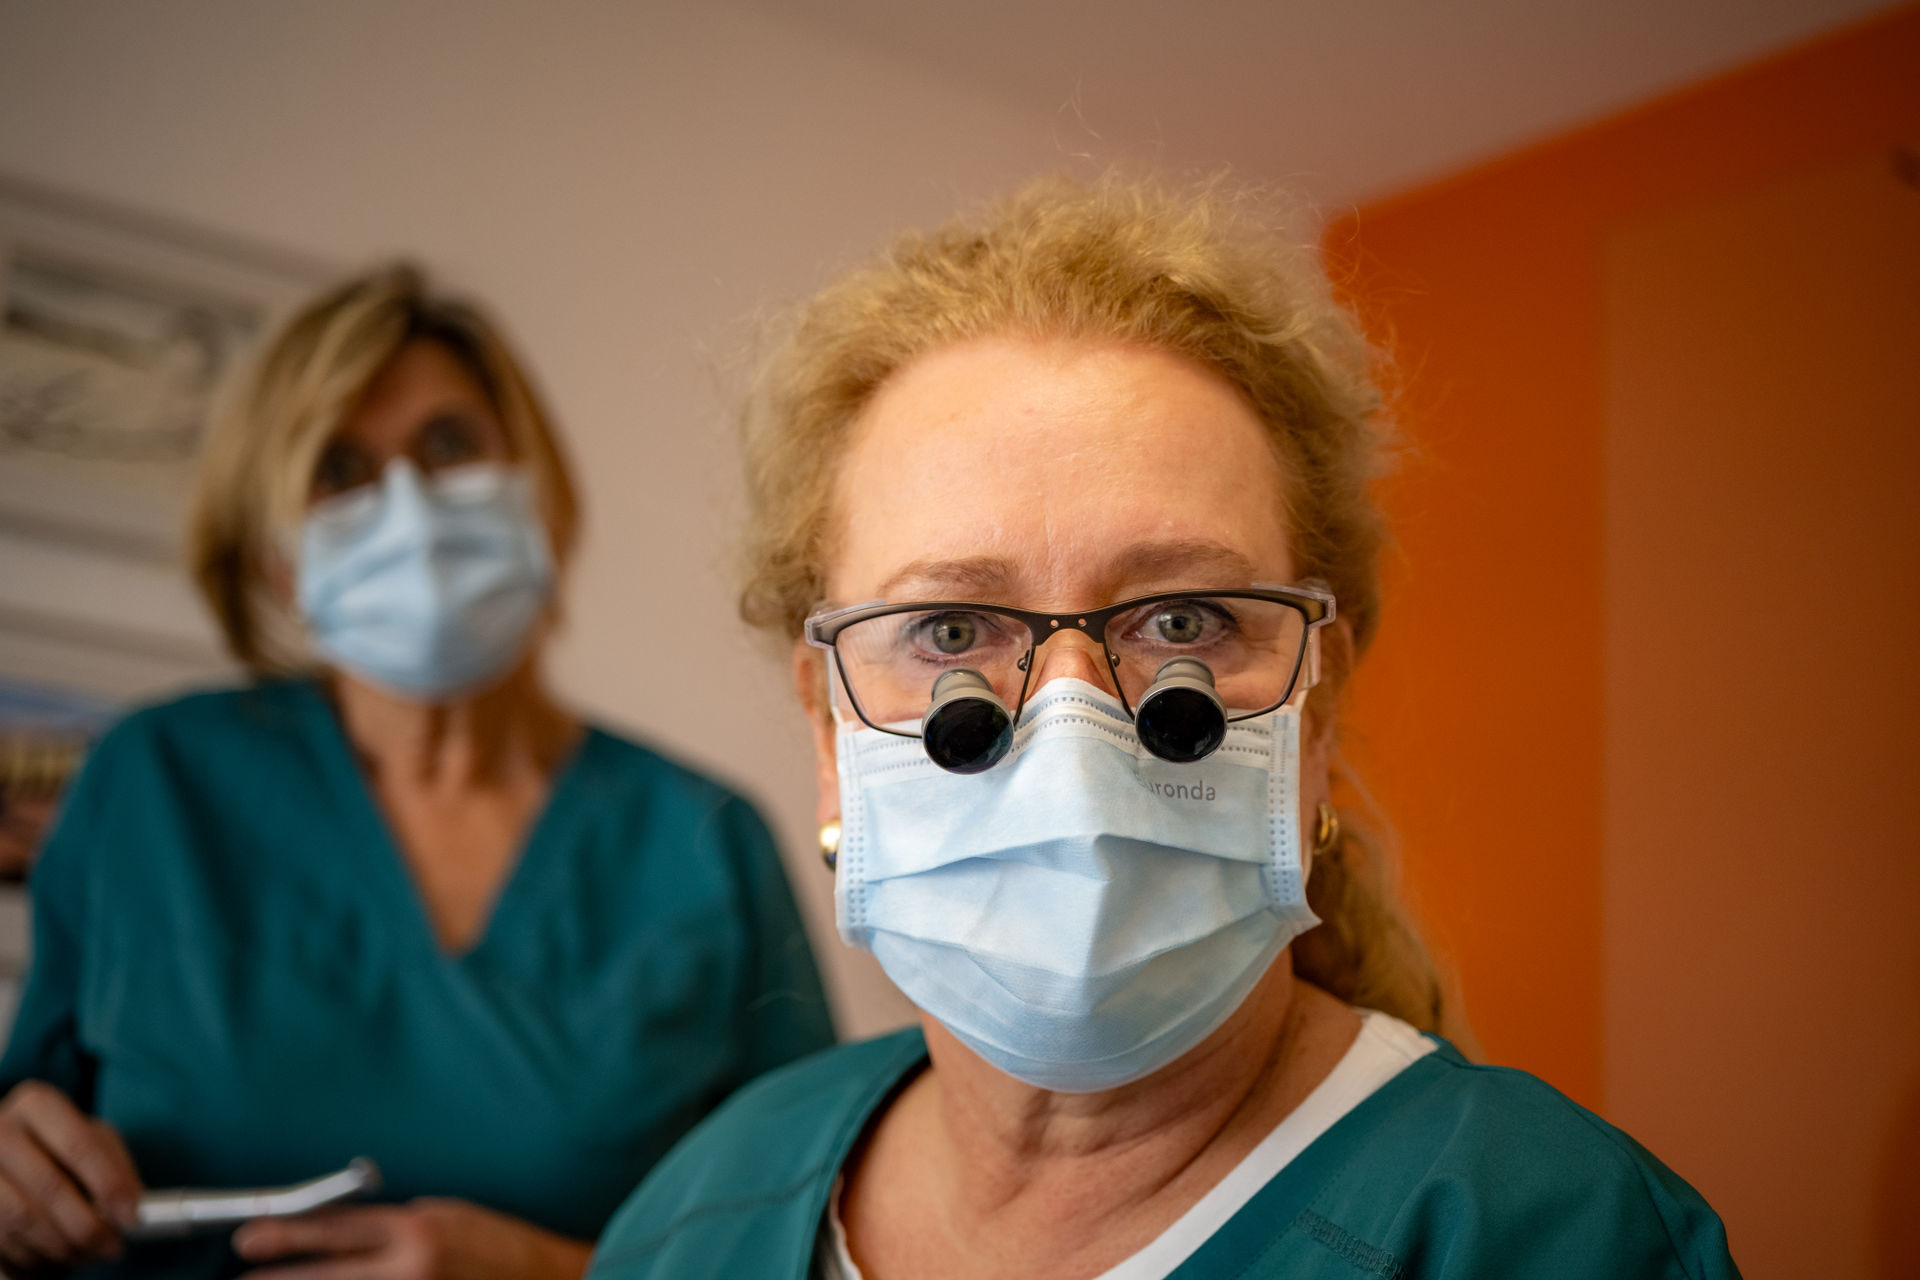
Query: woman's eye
(952, 632)
(1179, 624)
(342, 467)
(447, 442)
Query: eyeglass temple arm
(813, 628)
(1320, 592)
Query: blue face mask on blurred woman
(426, 585)
(1082, 913)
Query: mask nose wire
(401, 482)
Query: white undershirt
(1384, 1048)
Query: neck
(473, 739)
(1086, 1159)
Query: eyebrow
(1158, 563)
(970, 575)
(1177, 563)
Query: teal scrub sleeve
(45, 1042)
(1568, 1197)
(784, 1014)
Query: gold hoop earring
(1326, 836)
(830, 843)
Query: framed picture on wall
(118, 331)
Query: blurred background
(1643, 706)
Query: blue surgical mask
(426, 586)
(1083, 913)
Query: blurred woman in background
(390, 899)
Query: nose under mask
(426, 585)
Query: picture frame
(118, 330)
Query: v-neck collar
(1284, 1204)
(374, 841)
(1281, 1206)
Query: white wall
(626, 184)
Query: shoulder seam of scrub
(662, 1237)
(1642, 1180)
(142, 717)
(750, 1094)
(659, 1239)
(1606, 1132)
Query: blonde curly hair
(1202, 273)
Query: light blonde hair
(1201, 273)
(257, 469)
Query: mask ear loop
(1326, 834)
(1309, 672)
(836, 690)
(839, 700)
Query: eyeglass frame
(1312, 600)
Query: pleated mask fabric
(1083, 913)
(426, 585)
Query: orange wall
(1762, 904)
(1482, 717)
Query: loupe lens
(1181, 718)
(968, 728)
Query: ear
(1320, 731)
(810, 681)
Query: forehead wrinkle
(1170, 564)
(967, 575)
(1078, 476)
(1194, 562)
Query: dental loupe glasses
(956, 674)
(968, 728)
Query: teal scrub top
(233, 967)
(1449, 1170)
